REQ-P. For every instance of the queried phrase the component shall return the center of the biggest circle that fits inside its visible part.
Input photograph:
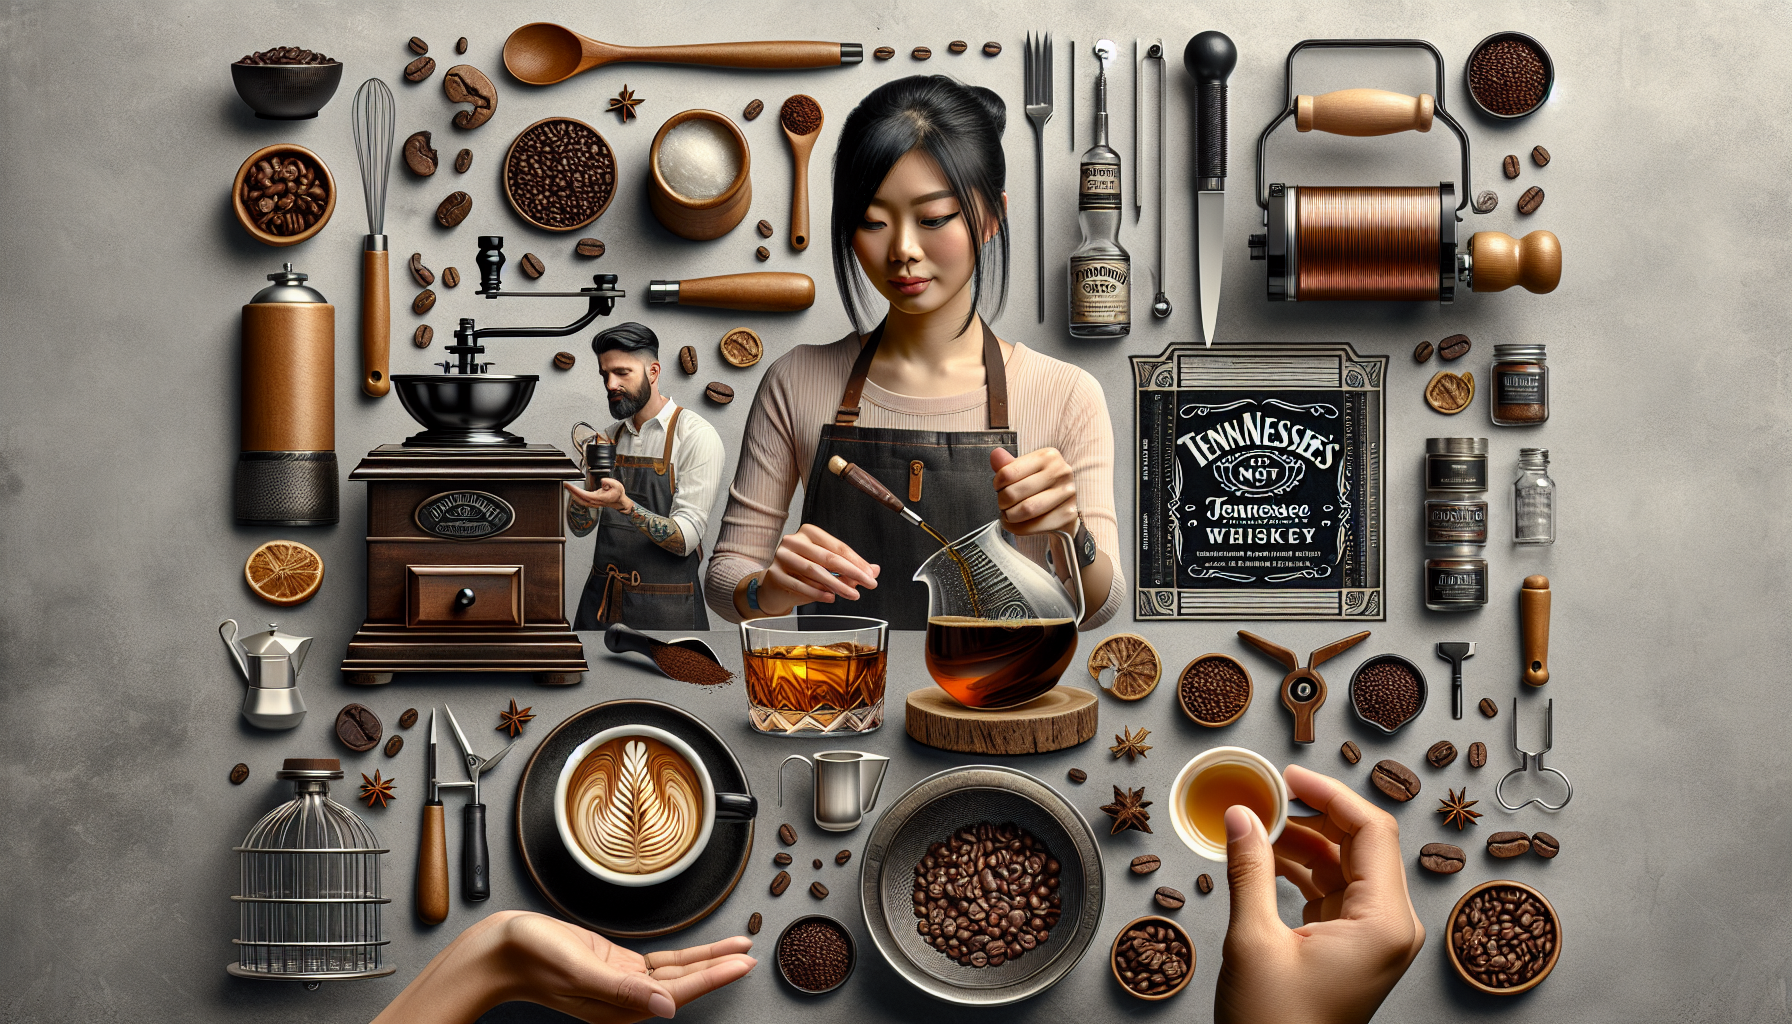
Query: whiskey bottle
(1100, 270)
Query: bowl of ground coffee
(1510, 75)
(1504, 937)
(816, 954)
(1387, 691)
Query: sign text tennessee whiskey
(1260, 483)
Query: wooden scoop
(800, 112)
(542, 53)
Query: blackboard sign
(1259, 483)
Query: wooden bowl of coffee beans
(1504, 937)
(1214, 690)
(283, 194)
(1153, 958)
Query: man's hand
(609, 494)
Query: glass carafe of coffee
(1000, 628)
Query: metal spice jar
(1520, 385)
(1456, 464)
(1455, 583)
(1453, 521)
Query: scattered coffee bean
(424, 302)
(1168, 898)
(1540, 156)
(532, 265)
(591, 247)
(1441, 754)
(465, 83)
(1442, 858)
(1146, 863)
(1395, 780)
(450, 277)
(787, 834)
(463, 160)
(754, 923)
(780, 883)
(423, 335)
(741, 347)
(1077, 775)
(1488, 707)
(1486, 201)
(287, 55)
(419, 156)
(719, 393)
(1351, 752)
(1151, 958)
(239, 774)
(1204, 883)
(1510, 165)
(1422, 353)
(991, 48)
(460, 45)
(1454, 347)
(418, 45)
(563, 360)
(1504, 937)
(1508, 844)
(884, 52)
(763, 253)
(817, 890)
(765, 229)
(842, 857)
(687, 359)
(358, 728)
(988, 889)
(1545, 845)
(921, 53)
(781, 859)
(754, 109)
(408, 719)
(1477, 754)
(454, 209)
(419, 69)
(560, 174)
(284, 195)
(958, 46)
(817, 864)
(1386, 692)
(815, 956)
(394, 745)
(425, 277)
(1531, 200)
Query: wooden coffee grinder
(466, 540)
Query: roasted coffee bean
(884, 52)
(454, 209)
(817, 890)
(1441, 754)
(754, 923)
(358, 728)
(408, 719)
(780, 883)
(1442, 858)
(687, 359)
(418, 45)
(842, 857)
(1204, 883)
(532, 265)
(1540, 156)
(719, 393)
(563, 360)
(419, 156)
(1486, 201)
(465, 83)
(284, 195)
(986, 884)
(991, 48)
(782, 859)
(1477, 754)
(1545, 845)
(419, 69)
(239, 774)
(1422, 353)
(1077, 775)
(1488, 707)
(1510, 165)
(423, 335)
(394, 745)
(1351, 752)
(763, 253)
(424, 302)
(1146, 863)
(1504, 936)
(450, 277)
(1508, 844)
(1454, 347)
(1168, 898)
(754, 109)
(425, 277)
(1151, 959)
(1531, 200)
(1395, 780)
(921, 53)
(741, 347)
(463, 160)
(958, 46)
(816, 864)
(765, 229)
(591, 247)
(287, 55)
(787, 834)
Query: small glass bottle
(1100, 269)
(1520, 385)
(1533, 499)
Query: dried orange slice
(1450, 393)
(284, 572)
(1134, 661)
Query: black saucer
(621, 911)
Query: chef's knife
(1210, 58)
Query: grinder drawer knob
(465, 597)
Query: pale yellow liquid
(1221, 786)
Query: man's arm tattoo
(582, 520)
(662, 530)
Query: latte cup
(712, 806)
(1184, 788)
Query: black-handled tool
(475, 855)
(1456, 653)
(1210, 58)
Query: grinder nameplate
(464, 515)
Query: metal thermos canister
(286, 474)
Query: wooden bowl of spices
(1519, 960)
(1152, 953)
(283, 194)
(700, 168)
(1214, 690)
(559, 174)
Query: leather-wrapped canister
(286, 474)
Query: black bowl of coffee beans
(1387, 691)
(1153, 958)
(816, 954)
(286, 83)
(1504, 937)
(1509, 75)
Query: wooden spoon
(542, 53)
(801, 119)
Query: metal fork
(1038, 71)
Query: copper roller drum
(1367, 243)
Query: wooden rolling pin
(1533, 618)
(759, 292)
(1363, 112)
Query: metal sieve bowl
(930, 811)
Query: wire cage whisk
(310, 892)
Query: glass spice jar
(1533, 499)
(1455, 583)
(1520, 385)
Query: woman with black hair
(964, 426)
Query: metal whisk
(309, 909)
(374, 125)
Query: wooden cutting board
(1062, 717)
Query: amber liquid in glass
(1220, 786)
(817, 680)
(998, 663)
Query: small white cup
(1191, 836)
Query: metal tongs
(475, 856)
(1524, 765)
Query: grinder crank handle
(1497, 261)
(1533, 617)
(1363, 112)
(1335, 648)
(432, 867)
(376, 318)
(475, 856)
(758, 292)
(1271, 648)
(1210, 58)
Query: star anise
(513, 719)
(625, 104)
(377, 789)
(1128, 810)
(1130, 746)
(1457, 809)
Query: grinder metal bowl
(464, 409)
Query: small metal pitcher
(270, 663)
(846, 785)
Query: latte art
(635, 805)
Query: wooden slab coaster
(1062, 717)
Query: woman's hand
(609, 494)
(1359, 932)
(515, 955)
(813, 565)
(1036, 492)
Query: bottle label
(1455, 522)
(1100, 187)
(1455, 472)
(1100, 290)
(1456, 585)
(1520, 388)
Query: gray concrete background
(125, 271)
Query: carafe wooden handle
(432, 867)
(761, 292)
(1363, 112)
(1533, 619)
(376, 323)
(1501, 261)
